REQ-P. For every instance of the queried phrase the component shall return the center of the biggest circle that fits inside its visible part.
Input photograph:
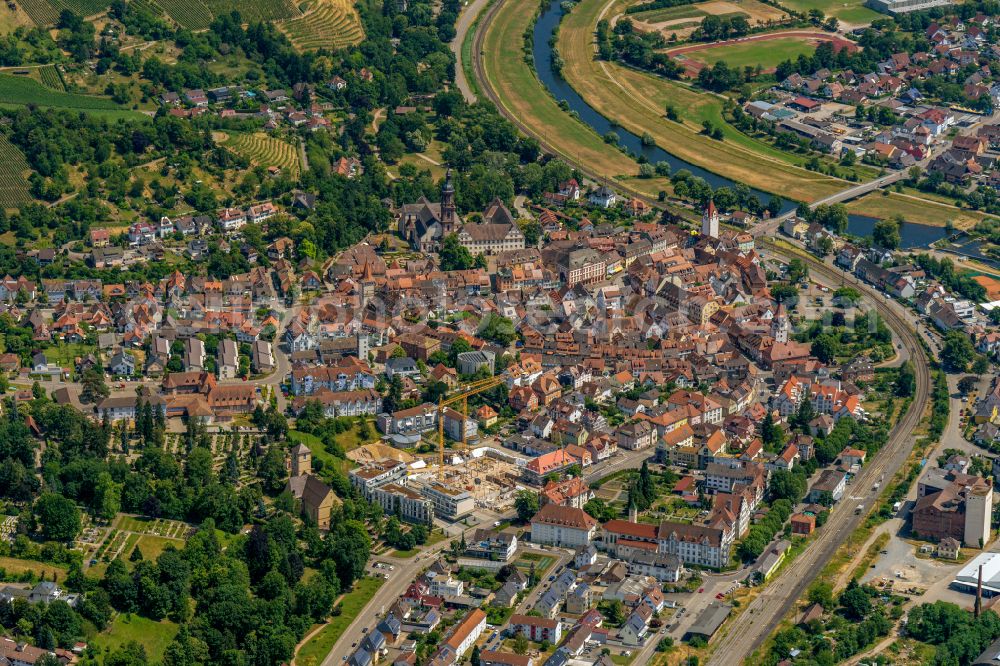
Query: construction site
(491, 477)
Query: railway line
(749, 629)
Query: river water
(912, 234)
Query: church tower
(301, 460)
(780, 325)
(710, 221)
(448, 217)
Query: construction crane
(462, 396)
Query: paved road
(629, 460)
(749, 629)
(405, 571)
(465, 21)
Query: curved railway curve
(751, 627)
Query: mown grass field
(525, 98)
(315, 649)
(914, 209)
(153, 636)
(636, 100)
(14, 189)
(767, 54)
(329, 24)
(264, 150)
(14, 566)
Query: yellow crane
(462, 396)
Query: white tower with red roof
(710, 221)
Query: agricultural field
(50, 78)
(683, 19)
(852, 12)
(264, 150)
(192, 14)
(13, 175)
(43, 12)
(21, 91)
(40, 11)
(259, 10)
(329, 24)
(12, 19)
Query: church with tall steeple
(424, 223)
(710, 221)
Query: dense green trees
(526, 503)
(58, 517)
(763, 531)
(885, 233)
(957, 351)
(959, 637)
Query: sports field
(682, 19)
(766, 54)
(852, 12)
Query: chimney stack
(979, 592)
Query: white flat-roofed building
(966, 579)
(449, 503)
(376, 475)
(905, 6)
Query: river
(911, 234)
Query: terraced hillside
(13, 175)
(266, 151)
(330, 24)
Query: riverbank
(637, 100)
(508, 71)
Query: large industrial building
(905, 6)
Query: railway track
(748, 631)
